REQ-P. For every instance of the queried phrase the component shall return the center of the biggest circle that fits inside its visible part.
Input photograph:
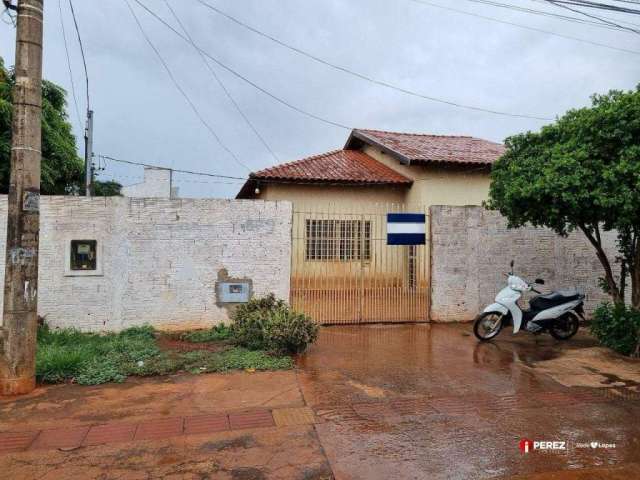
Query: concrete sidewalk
(239, 426)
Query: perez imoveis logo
(527, 445)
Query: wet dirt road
(430, 402)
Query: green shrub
(216, 333)
(269, 324)
(290, 332)
(617, 327)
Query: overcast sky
(141, 116)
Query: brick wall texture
(471, 251)
(160, 258)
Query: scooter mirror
(511, 264)
(539, 281)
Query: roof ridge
(421, 134)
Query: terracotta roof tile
(340, 166)
(420, 148)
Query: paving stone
(110, 433)
(412, 406)
(285, 417)
(251, 419)
(159, 429)
(16, 442)
(206, 424)
(60, 438)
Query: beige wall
(433, 185)
(338, 198)
(439, 185)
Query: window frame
(337, 240)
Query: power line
(600, 6)
(527, 27)
(177, 170)
(362, 76)
(544, 13)
(222, 85)
(66, 49)
(603, 20)
(84, 61)
(181, 90)
(242, 77)
(544, 2)
(8, 11)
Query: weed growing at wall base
(89, 359)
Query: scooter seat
(553, 299)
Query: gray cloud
(140, 116)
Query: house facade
(383, 167)
(343, 269)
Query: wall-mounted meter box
(234, 292)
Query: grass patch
(90, 359)
(214, 334)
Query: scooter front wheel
(487, 325)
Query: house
(343, 268)
(384, 167)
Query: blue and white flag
(406, 229)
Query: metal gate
(343, 271)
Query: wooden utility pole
(20, 318)
(88, 155)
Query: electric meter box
(234, 292)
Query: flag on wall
(406, 229)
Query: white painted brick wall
(471, 251)
(160, 257)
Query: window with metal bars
(338, 240)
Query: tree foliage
(580, 173)
(62, 170)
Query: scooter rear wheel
(487, 325)
(565, 327)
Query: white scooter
(558, 313)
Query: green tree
(62, 168)
(580, 173)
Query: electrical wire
(600, 6)
(66, 49)
(177, 170)
(362, 76)
(544, 13)
(222, 85)
(84, 60)
(182, 91)
(544, 2)
(242, 77)
(603, 20)
(526, 27)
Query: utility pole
(88, 155)
(20, 314)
